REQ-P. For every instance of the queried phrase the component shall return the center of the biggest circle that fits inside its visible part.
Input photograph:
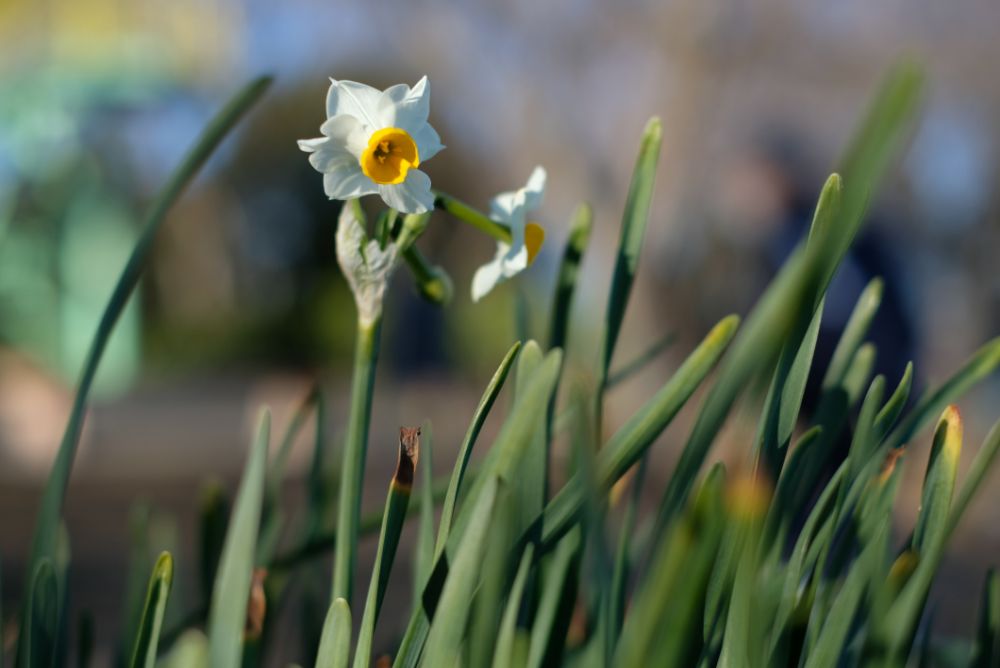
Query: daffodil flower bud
(367, 267)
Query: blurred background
(243, 303)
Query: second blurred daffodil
(372, 143)
(511, 209)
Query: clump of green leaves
(777, 564)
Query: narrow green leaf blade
(543, 635)
(335, 643)
(273, 517)
(47, 524)
(986, 650)
(424, 559)
(640, 362)
(939, 484)
(887, 417)
(632, 440)
(663, 626)
(41, 633)
(569, 269)
(532, 479)
(392, 526)
(503, 656)
(633, 230)
(148, 637)
(231, 593)
(465, 451)
(444, 638)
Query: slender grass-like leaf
(663, 626)
(981, 365)
(230, 596)
(370, 523)
(47, 523)
(424, 560)
(795, 491)
(144, 647)
(874, 145)
(273, 518)
(795, 566)
(743, 643)
(388, 541)
(214, 520)
(516, 436)
(599, 566)
(39, 635)
(759, 342)
(632, 440)
(503, 655)
(633, 230)
(854, 333)
(465, 451)
(939, 484)
(864, 441)
(444, 638)
(531, 481)
(569, 269)
(501, 461)
(640, 362)
(136, 580)
(832, 641)
(623, 555)
(335, 643)
(893, 633)
(784, 397)
(887, 417)
(546, 639)
(986, 649)
(487, 608)
(981, 464)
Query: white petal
(489, 275)
(310, 145)
(428, 142)
(354, 99)
(346, 131)
(534, 191)
(405, 108)
(412, 195)
(324, 153)
(511, 207)
(516, 259)
(505, 207)
(345, 180)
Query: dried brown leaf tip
(409, 452)
(890, 464)
(256, 606)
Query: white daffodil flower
(372, 143)
(511, 209)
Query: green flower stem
(413, 226)
(355, 449)
(433, 282)
(467, 214)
